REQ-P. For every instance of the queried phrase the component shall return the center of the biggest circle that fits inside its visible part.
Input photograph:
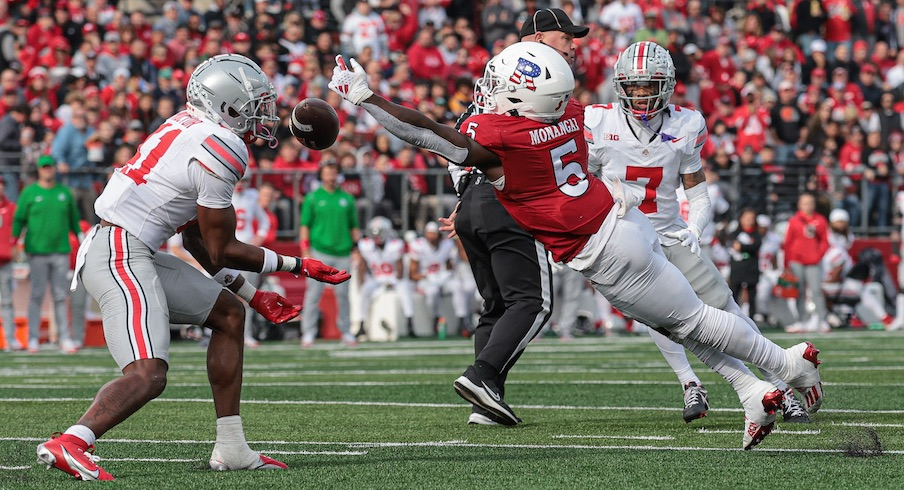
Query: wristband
(290, 264)
(226, 276)
(271, 261)
(246, 291)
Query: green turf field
(598, 413)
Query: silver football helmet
(644, 64)
(232, 90)
(380, 229)
(526, 79)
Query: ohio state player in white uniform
(181, 179)
(247, 213)
(653, 148)
(432, 269)
(529, 144)
(382, 255)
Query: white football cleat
(803, 374)
(760, 403)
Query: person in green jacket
(328, 232)
(46, 212)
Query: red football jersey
(548, 190)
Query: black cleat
(484, 394)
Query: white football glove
(350, 84)
(688, 238)
(626, 200)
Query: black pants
(513, 278)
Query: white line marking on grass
(408, 444)
(430, 405)
(39, 385)
(465, 444)
(320, 453)
(866, 424)
(15, 468)
(704, 430)
(153, 460)
(641, 438)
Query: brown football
(314, 123)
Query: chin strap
(646, 122)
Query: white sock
(83, 433)
(732, 335)
(733, 308)
(230, 431)
(676, 357)
(734, 371)
(231, 446)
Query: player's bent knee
(150, 375)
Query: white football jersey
(187, 162)
(382, 261)
(433, 262)
(653, 167)
(247, 211)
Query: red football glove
(316, 269)
(274, 307)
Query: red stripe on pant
(134, 298)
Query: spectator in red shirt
(477, 54)
(806, 241)
(424, 58)
(839, 23)
(45, 29)
(718, 61)
(401, 26)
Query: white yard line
(14, 468)
(866, 424)
(464, 444)
(776, 431)
(639, 438)
(424, 405)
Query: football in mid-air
(314, 123)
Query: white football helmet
(644, 64)
(380, 229)
(526, 79)
(233, 91)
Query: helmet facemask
(644, 99)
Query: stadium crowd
(798, 95)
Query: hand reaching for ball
(350, 84)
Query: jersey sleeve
(213, 191)
(225, 156)
(696, 135)
(485, 129)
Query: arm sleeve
(700, 213)
(213, 191)
(691, 161)
(417, 136)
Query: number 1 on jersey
(653, 177)
(140, 165)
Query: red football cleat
(71, 455)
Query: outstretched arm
(410, 125)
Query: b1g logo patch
(525, 73)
